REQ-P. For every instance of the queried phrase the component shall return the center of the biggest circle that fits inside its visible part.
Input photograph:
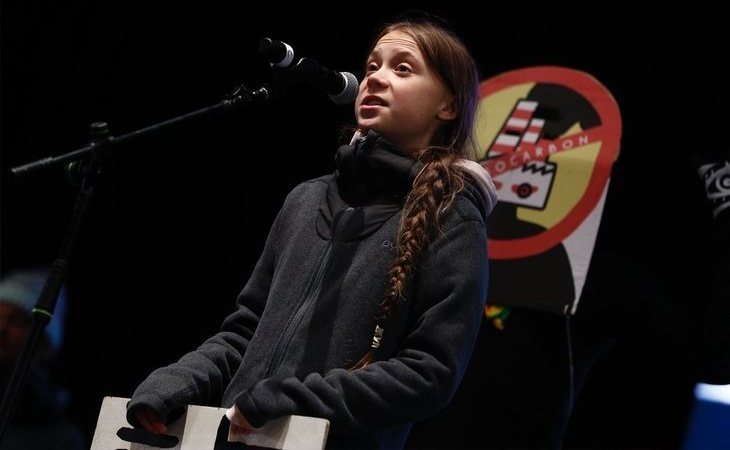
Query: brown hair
(438, 183)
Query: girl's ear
(447, 111)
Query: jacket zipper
(309, 298)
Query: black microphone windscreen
(278, 53)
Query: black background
(181, 216)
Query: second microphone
(341, 87)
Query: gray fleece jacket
(308, 311)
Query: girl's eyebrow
(397, 53)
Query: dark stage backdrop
(181, 217)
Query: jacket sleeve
(200, 377)
(422, 377)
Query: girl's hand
(151, 421)
(239, 424)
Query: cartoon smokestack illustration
(528, 185)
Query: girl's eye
(372, 67)
(402, 68)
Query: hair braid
(433, 191)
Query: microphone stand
(87, 163)
(240, 95)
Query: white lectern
(203, 427)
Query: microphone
(341, 87)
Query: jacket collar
(372, 176)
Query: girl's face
(401, 97)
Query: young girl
(366, 301)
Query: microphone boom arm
(240, 96)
